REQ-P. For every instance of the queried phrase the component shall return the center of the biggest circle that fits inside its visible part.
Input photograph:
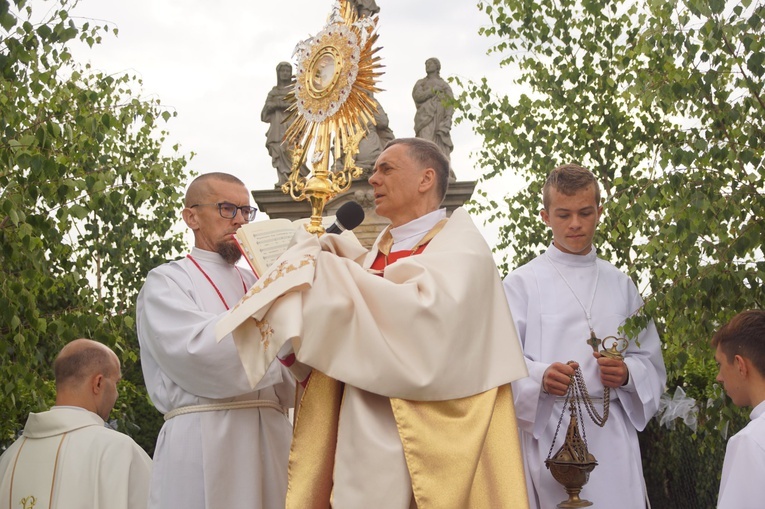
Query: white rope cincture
(233, 405)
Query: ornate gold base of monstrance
(336, 75)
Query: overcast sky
(214, 63)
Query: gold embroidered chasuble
(66, 458)
(461, 453)
(448, 390)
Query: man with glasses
(223, 444)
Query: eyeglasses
(228, 210)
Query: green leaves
(663, 101)
(87, 201)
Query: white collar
(69, 407)
(414, 230)
(208, 256)
(573, 260)
(758, 411)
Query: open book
(263, 242)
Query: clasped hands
(557, 377)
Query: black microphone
(348, 216)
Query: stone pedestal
(277, 204)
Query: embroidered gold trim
(55, 470)
(31, 498)
(386, 241)
(13, 473)
(266, 331)
(278, 272)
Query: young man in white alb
(559, 301)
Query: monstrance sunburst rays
(337, 73)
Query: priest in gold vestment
(412, 348)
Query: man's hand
(613, 372)
(557, 378)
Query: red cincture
(220, 295)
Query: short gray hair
(427, 153)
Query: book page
(273, 243)
(262, 242)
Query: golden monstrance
(331, 101)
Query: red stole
(383, 261)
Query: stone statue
(365, 7)
(433, 120)
(275, 112)
(373, 143)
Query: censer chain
(560, 420)
(576, 393)
(578, 379)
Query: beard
(229, 251)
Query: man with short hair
(66, 457)
(562, 302)
(740, 355)
(224, 444)
(409, 403)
